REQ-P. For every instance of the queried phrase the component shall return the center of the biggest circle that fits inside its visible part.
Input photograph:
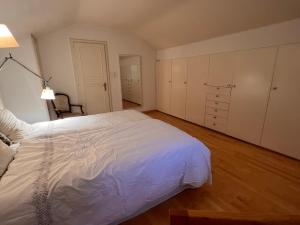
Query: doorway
(131, 82)
(91, 72)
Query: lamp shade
(7, 40)
(47, 94)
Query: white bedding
(70, 173)
(82, 123)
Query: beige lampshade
(48, 94)
(7, 40)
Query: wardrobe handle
(104, 86)
(185, 82)
(274, 88)
(170, 81)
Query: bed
(100, 169)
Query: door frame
(104, 43)
(141, 73)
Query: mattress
(99, 170)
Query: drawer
(217, 104)
(218, 90)
(216, 119)
(213, 124)
(216, 112)
(218, 97)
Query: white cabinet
(282, 125)
(178, 90)
(197, 73)
(252, 80)
(163, 85)
(221, 69)
(253, 95)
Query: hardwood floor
(246, 178)
(128, 104)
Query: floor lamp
(7, 40)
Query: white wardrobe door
(282, 125)
(221, 69)
(178, 91)
(197, 74)
(252, 77)
(163, 85)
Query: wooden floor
(246, 178)
(128, 104)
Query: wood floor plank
(246, 178)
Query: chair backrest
(61, 102)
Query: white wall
(56, 60)
(20, 90)
(129, 60)
(1, 103)
(277, 34)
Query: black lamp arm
(25, 67)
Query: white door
(221, 69)
(197, 73)
(282, 126)
(178, 90)
(123, 81)
(135, 83)
(90, 66)
(252, 78)
(163, 78)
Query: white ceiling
(162, 23)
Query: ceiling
(162, 23)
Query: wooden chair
(63, 108)
(196, 217)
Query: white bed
(98, 170)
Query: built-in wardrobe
(253, 95)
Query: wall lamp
(7, 40)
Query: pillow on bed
(12, 127)
(5, 139)
(6, 156)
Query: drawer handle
(215, 117)
(214, 124)
(216, 110)
(216, 103)
(217, 96)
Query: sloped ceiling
(162, 23)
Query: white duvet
(98, 170)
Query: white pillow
(12, 127)
(6, 156)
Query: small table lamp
(7, 40)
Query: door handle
(105, 86)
